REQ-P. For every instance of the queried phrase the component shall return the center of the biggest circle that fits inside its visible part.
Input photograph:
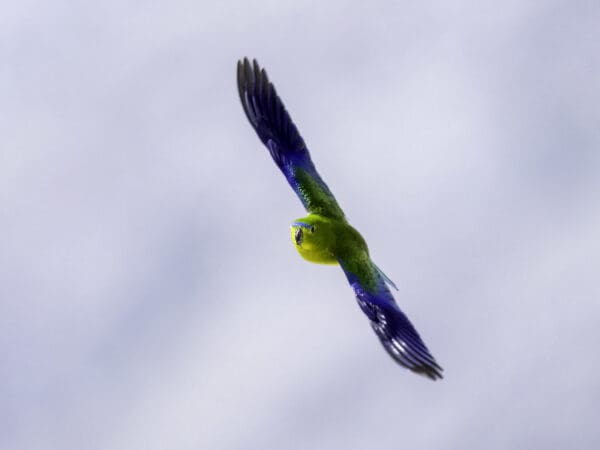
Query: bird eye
(312, 229)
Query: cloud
(151, 296)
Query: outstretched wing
(398, 336)
(275, 128)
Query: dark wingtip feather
(263, 107)
(417, 361)
(395, 331)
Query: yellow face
(311, 241)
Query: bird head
(314, 239)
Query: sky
(150, 296)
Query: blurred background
(150, 296)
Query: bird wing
(397, 334)
(275, 128)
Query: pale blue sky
(151, 297)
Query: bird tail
(384, 276)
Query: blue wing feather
(275, 128)
(395, 331)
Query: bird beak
(298, 236)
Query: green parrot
(324, 236)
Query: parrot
(324, 236)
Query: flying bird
(324, 236)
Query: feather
(395, 331)
(273, 125)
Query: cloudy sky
(150, 296)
